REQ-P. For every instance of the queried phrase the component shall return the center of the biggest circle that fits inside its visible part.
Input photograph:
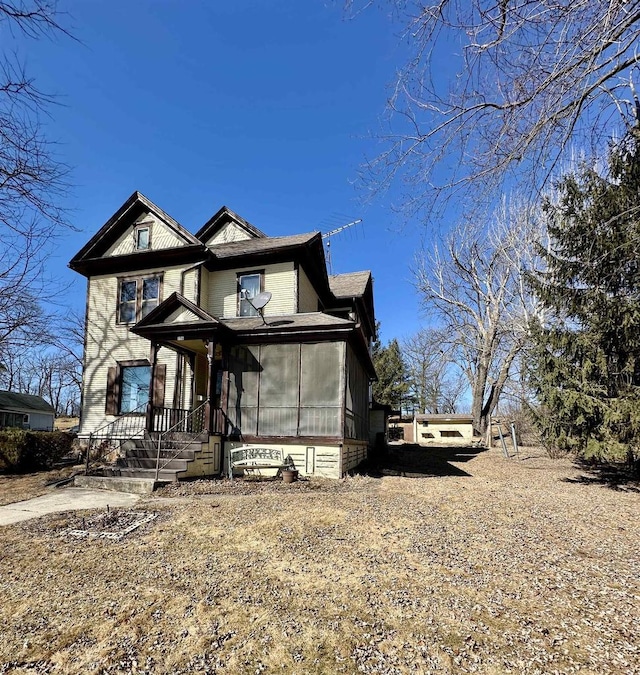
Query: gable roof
(10, 400)
(351, 285)
(220, 219)
(90, 257)
(175, 301)
(158, 324)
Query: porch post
(208, 426)
(152, 358)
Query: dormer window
(143, 237)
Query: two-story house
(238, 336)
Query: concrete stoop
(138, 486)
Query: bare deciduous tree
(501, 89)
(473, 286)
(32, 180)
(51, 374)
(435, 382)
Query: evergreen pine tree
(392, 385)
(586, 365)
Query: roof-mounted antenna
(258, 303)
(330, 234)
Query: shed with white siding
(25, 411)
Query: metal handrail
(109, 431)
(199, 411)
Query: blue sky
(267, 107)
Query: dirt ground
(18, 487)
(442, 561)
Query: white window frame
(142, 227)
(242, 298)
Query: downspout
(183, 274)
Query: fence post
(504, 445)
(514, 438)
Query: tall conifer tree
(586, 366)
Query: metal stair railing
(126, 427)
(194, 421)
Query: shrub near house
(23, 451)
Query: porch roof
(181, 325)
(310, 323)
(178, 320)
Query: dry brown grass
(65, 423)
(17, 487)
(508, 566)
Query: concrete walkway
(64, 499)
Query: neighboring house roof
(444, 418)
(209, 230)
(351, 285)
(13, 401)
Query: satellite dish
(258, 303)
(261, 300)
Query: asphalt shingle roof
(258, 245)
(10, 400)
(351, 285)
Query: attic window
(143, 237)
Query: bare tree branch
(474, 288)
(33, 182)
(533, 79)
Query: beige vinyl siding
(206, 463)
(230, 232)
(307, 297)
(278, 279)
(189, 286)
(182, 315)
(317, 460)
(108, 342)
(161, 237)
(203, 288)
(443, 432)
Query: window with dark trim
(129, 387)
(14, 420)
(142, 235)
(137, 297)
(249, 285)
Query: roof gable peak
(131, 211)
(213, 231)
